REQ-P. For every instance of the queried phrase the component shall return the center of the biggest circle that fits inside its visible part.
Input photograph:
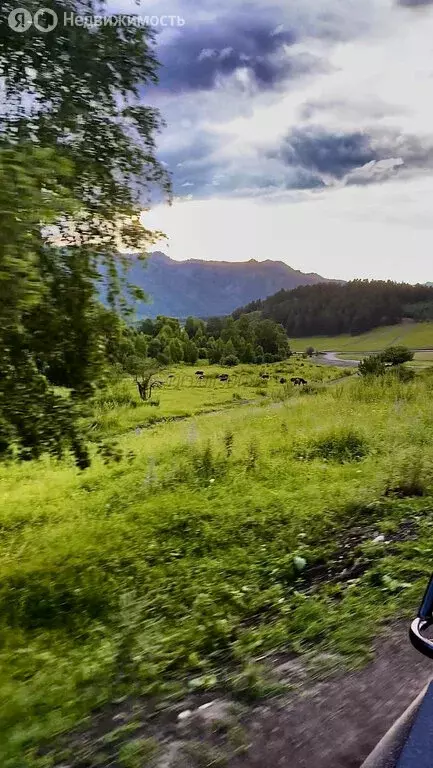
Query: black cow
(199, 373)
(264, 375)
(297, 381)
(223, 377)
(283, 381)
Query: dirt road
(331, 358)
(336, 724)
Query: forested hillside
(355, 307)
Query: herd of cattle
(296, 380)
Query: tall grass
(179, 561)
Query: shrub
(397, 355)
(372, 366)
(338, 445)
(115, 395)
(230, 360)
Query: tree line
(165, 341)
(329, 309)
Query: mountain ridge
(207, 288)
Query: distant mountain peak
(205, 288)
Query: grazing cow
(264, 375)
(223, 377)
(297, 381)
(283, 381)
(199, 373)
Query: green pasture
(207, 544)
(413, 335)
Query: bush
(115, 395)
(338, 445)
(230, 360)
(397, 355)
(372, 366)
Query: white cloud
(383, 79)
(377, 231)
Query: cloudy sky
(299, 130)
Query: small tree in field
(230, 360)
(144, 372)
(190, 353)
(397, 355)
(372, 366)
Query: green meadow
(227, 524)
(412, 335)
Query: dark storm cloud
(204, 170)
(193, 59)
(357, 157)
(327, 154)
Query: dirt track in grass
(336, 724)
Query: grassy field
(118, 408)
(204, 547)
(413, 335)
